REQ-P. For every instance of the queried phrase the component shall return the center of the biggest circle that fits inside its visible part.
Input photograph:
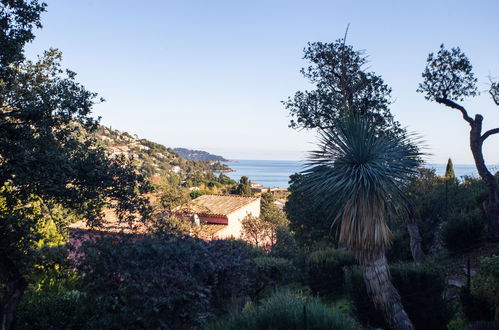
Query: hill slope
(198, 155)
(153, 159)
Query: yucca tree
(360, 172)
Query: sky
(211, 75)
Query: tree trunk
(384, 295)
(15, 285)
(491, 204)
(415, 238)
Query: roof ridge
(231, 195)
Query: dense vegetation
(339, 256)
(198, 155)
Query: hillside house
(221, 212)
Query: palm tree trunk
(384, 295)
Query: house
(223, 213)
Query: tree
(448, 79)
(449, 170)
(47, 155)
(244, 187)
(172, 196)
(307, 219)
(362, 173)
(342, 88)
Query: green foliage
(171, 196)
(308, 221)
(285, 311)
(358, 171)
(18, 18)
(164, 281)
(481, 301)
(463, 230)
(48, 155)
(421, 288)
(449, 170)
(285, 246)
(448, 75)
(196, 193)
(225, 180)
(272, 272)
(243, 188)
(326, 273)
(54, 301)
(342, 87)
(438, 202)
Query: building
(223, 213)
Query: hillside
(153, 159)
(198, 155)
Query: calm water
(275, 173)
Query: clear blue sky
(211, 74)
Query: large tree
(344, 87)
(47, 153)
(360, 172)
(448, 79)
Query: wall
(234, 228)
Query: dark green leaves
(448, 75)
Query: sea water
(275, 173)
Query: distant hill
(198, 155)
(153, 159)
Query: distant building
(223, 213)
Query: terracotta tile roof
(216, 205)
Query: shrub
(196, 193)
(53, 302)
(285, 246)
(287, 311)
(272, 272)
(463, 230)
(164, 282)
(325, 271)
(420, 287)
(235, 274)
(481, 302)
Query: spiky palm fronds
(361, 171)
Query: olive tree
(448, 79)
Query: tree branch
(489, 133)
(454, 105)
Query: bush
(325, 271)
(481, 302)
(53, 302)
(287, 311)
(420, 287)
(285, 246)
(196, 193)
(463, 230)
(235, 274)
(272, 272)
(163, 282)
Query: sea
(275, 173)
